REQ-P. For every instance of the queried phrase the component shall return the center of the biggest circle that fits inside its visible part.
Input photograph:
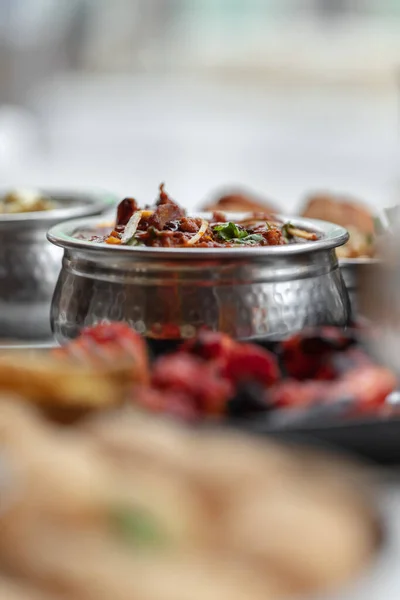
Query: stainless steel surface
(246, 292)
(353, 271)
(29, 265)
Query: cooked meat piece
(190, 225)
(125, 210)
(165, 213)
(163, 197)
(166, 239)
(274, 237)
(340, 210)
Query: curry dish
(167, 225)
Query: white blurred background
(282, 96)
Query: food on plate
(167, 225)
(329, 365)
(133, 507)
(215, 377)
(208, 378)
(240, 202)
(22, 201)
(309, 369)
(348, 213)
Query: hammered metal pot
(29, 265)
(172, 292)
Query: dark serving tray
(375, 439)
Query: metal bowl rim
(333, 236)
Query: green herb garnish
(253, 238)
(230, 232)
(285, 231)
(138, 527)
(133, 242)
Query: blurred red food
(368, 385)
(248, 362)
(295, 394)
(210, 345)
(110, 342)
(237, 361)
(174, 403)
(165, 332)
(211, 373)
(306, 354)
(189, 375)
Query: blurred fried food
(240, 202)
(95, 371)
(131, 507)
(348, 213)
(65, 384)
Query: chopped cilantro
(133, 242)
(285, 231)
(230, 232)
(253, 238)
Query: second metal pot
(29, 264)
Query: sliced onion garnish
(197, 236)
(301, 233)
(132, 225)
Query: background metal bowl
(29, 264)
(246, 292)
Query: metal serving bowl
(29, 265)
(247, 292)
